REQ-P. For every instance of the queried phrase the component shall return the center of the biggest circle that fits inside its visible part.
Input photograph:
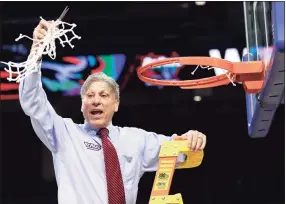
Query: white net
(56, 30)
(228, 75)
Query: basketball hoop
(251, 74)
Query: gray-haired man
(95, 162)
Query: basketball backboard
(264, 30)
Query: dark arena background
(118, 38)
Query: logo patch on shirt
(92, 146)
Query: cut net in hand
(56, 30)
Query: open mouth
(96, 112)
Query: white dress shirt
(77, 151)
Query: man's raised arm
(34, 102)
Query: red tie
(115, 185)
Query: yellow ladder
(168, 155)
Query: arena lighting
(197, 98)
(200, 3)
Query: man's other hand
(196, 140)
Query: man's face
(99, 104)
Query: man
(95, 162)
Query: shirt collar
(90, 128)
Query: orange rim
(236, 71)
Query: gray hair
(100, 76)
